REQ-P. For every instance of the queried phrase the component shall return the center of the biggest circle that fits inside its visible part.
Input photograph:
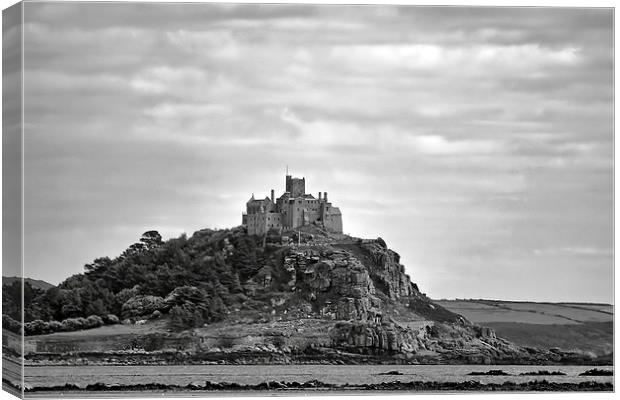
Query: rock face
(340, 283)
(374, 338)
(370, 306)
(353, 280)
(385, 264)
(374, 308)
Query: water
(253, 374)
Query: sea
(46, 376)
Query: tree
(12, 300)
(73, 282)
(52, 300)
(184, 317)
(98, 265)
(96, 308)
(95, 299)
(243, 259)
(121, 298)
(151, 239)
(186, 294)
(134, 250)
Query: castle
(293, 209)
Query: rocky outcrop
(374, 338)
(336, 281)
(384, 268)
(328, 298)
(363, 288)
(385, 265)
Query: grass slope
(568, 326)
(596, 337)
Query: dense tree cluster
(194, 281)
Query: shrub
(74, 324)
(93, 321)
(111, 319)
(54, 326)
(68, 325)
(36, 327)
(142, 305)
(126, 294)
(11, 324)
(40, 327)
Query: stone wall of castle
(260, 223)
(333, 220)
(293, 209)
(301, 211)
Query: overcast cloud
(478, 142)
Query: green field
(568, 326)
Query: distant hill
(36, 283)
(585, 327)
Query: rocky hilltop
(306, 296)
(357, 294)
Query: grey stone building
(293, 209)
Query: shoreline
(117, 358)
(315, 385)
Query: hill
(582, 327)
(226, 296)
(35, 283)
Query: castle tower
(295, 186)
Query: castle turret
(319, 196)
(296, 186)
(325, 196)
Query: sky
(478, 142)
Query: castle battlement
(291, 210)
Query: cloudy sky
(478, 142)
